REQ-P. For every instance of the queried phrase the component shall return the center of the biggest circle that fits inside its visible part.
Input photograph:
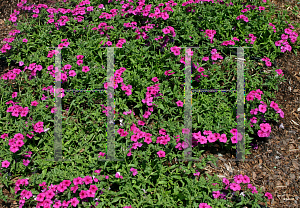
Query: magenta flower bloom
(267, 194)
(79, 62)
(101, 154)
(246, 179)
(85, 69)
(5, 164)
(279, 72)
(80, 57)
(238, 179)
(179, 103)
(235, 187)
(25, 40)
(67, 66)
(223, 138)
(204, 205)
(109, 43)
(87, 180)
(134, 171)
(72, 73)
(262, 108)
(155, 79)
(161, 153)
(205, 58)
(216, 194)
(14, 94)
(162, 132)
(3, 136)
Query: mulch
(274, 166)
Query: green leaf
(162, 182)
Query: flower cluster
(17, 110)
(243, 17)
(210, 34)
(283, 43)
(253, 38)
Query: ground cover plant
(149, 68)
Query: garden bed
(280, 150)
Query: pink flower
(216, 194)
(179, 103)
(134, 171)
(205, 58)
(238, 179)
(212, 138)
(134, 138)
(235, 187)
(155, 79)
(197, 135)
(262, 108)
(200, 69)
(14, 94)
(25, 40)
(3, 136)
(79, 62)
(281, 113)
(40, 197)
(273, 104)
(161, 153)
(77, 181)
(118, 175)
(246, 179)
(72, 73)
(5, 164)
(85, 68)
(253, 120)
(250, 97)
(16, 71)
(267, 194)
(204, 205)
(162, 132)
(148, 140)
(197, 173)
(202, 140)
(185, 131)
(265, 127)
(87, 180)
(93, 188)
(223, 138)
(226, 181)
(34, 103)
(165, 30)
(234, 139)
(142, 123)
(260, 133)
(279, 72)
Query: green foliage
(84, 125)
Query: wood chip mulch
(274, 166)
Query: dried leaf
(295, 164)
(253, 175)
(228, 168)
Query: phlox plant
(149, 82)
